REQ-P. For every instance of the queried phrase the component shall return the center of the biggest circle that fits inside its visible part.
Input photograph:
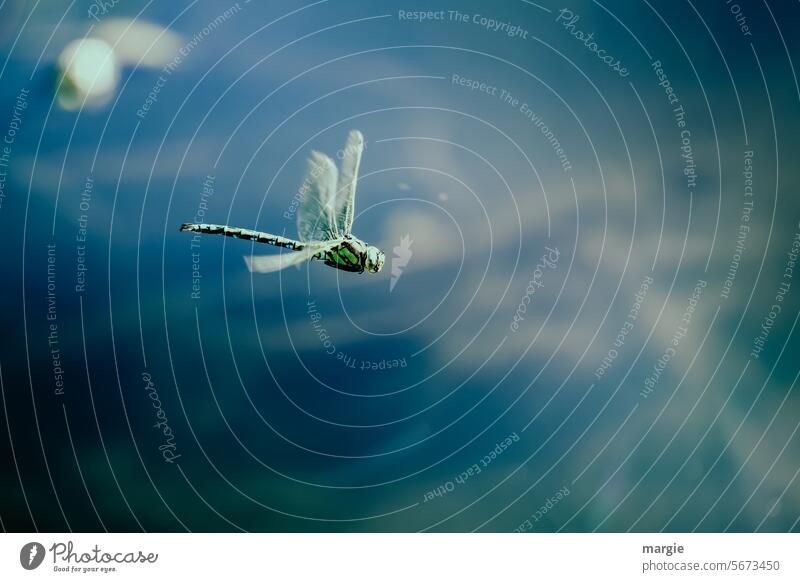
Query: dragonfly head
(374, 259)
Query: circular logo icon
(31, 555)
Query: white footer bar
(401, 557)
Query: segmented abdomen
(243, 233)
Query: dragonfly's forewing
(316, 217)
(273, 263)
(348, 178)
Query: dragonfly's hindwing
(272, 263)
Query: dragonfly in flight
(324, 220)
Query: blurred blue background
(166, 388)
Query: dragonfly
(324, 220)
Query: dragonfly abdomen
(243, 233)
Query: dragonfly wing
(273, 263)
(345, 198)
(316, 217)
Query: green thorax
(347, 256)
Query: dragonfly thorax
(353, 254)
